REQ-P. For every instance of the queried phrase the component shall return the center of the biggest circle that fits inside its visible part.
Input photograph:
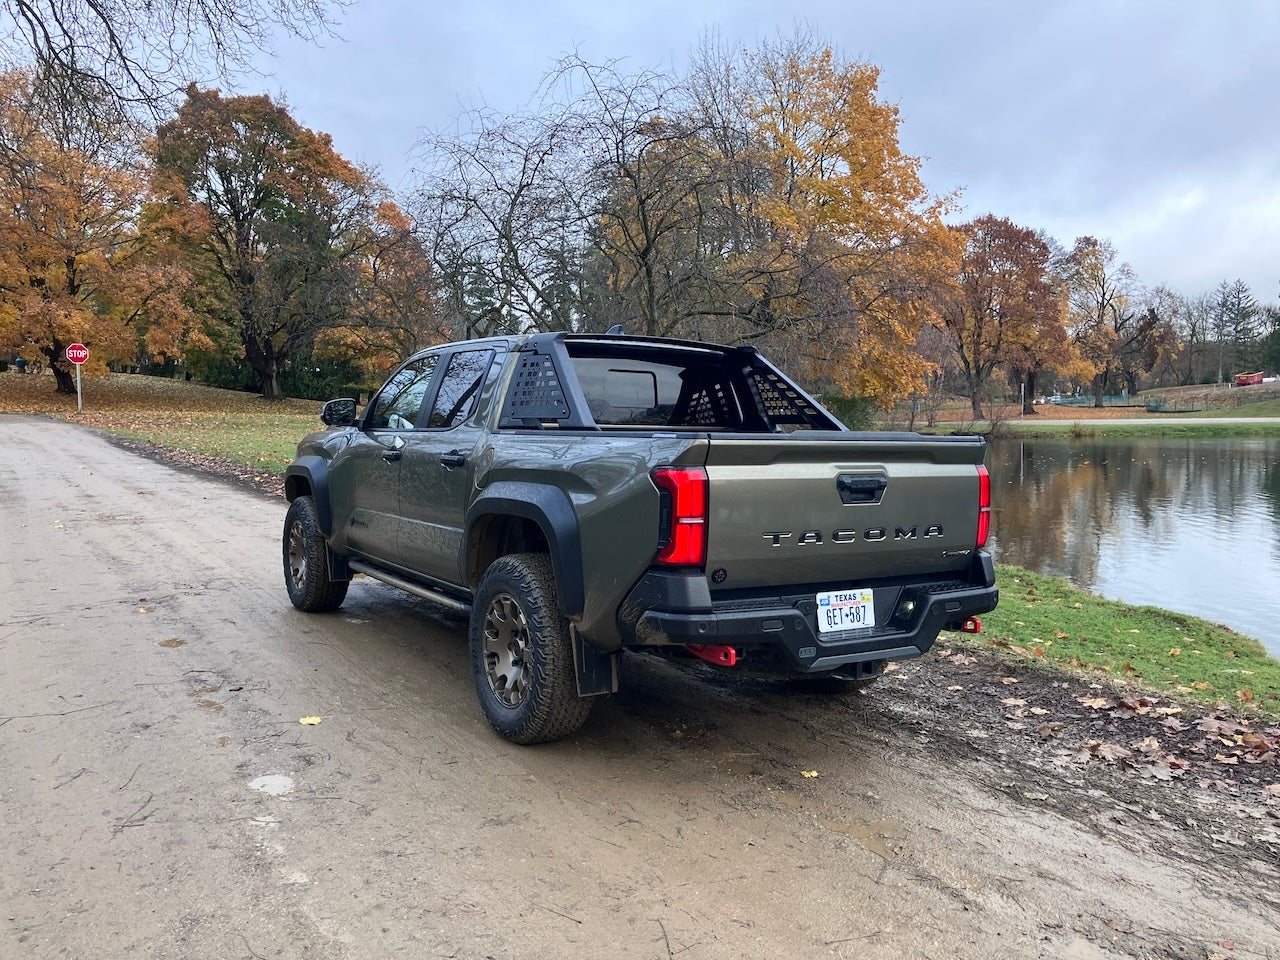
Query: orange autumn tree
(767, 198)
(1003, 306)
(853, 240)
(82, 254)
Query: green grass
(1047, 619)
(266, 441)
(230, 424)
(1264, 408)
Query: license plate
(845, 610)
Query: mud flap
(597, 670)
(338, 569)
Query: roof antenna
(614, 331)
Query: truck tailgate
(806, 509)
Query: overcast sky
(1153, 124)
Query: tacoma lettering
(871, 535)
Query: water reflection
(1190, 525)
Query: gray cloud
(1153, 124)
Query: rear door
(438, 465)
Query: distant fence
(1117, 400)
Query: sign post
(78, 353)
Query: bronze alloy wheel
(298, 555)
(507, 649)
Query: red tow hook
(972, 625)
(717, 653)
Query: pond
(1184, 524)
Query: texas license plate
(845, 610)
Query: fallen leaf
(808, 774)
(1038, 711)
(1223, 758)
(1110, 752)
(1271, 790)
(955, 688)
(1096, 703)
(1012, 702)
(1008, 681)
(310, 721)
(1244, 696)
(1175, 652)
(1148, 746)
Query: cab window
(460, 388)
(400, 398)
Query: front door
(364, 477)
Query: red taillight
(984, 505)
(685, 518)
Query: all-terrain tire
(306, 561)
(522, 654)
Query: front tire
(306, 561)
(522, 655)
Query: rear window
(687, 389)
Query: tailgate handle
(861, 488)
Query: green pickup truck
(579, 495)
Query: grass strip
(1049, 620)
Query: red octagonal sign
(77, 353)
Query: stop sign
(77, 353)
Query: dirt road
(159, 798)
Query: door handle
(453, 458)
(391, 456)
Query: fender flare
(312, 471)
(551, 510)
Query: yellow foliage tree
(855, 241)
(81, 258)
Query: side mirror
(339, 413)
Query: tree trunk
(975, 400)
(66, 381)
(1029, 392)
(271, 389)
(1099, 384)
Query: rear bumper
(675, 609)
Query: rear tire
(306, 561)
(522, 654)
